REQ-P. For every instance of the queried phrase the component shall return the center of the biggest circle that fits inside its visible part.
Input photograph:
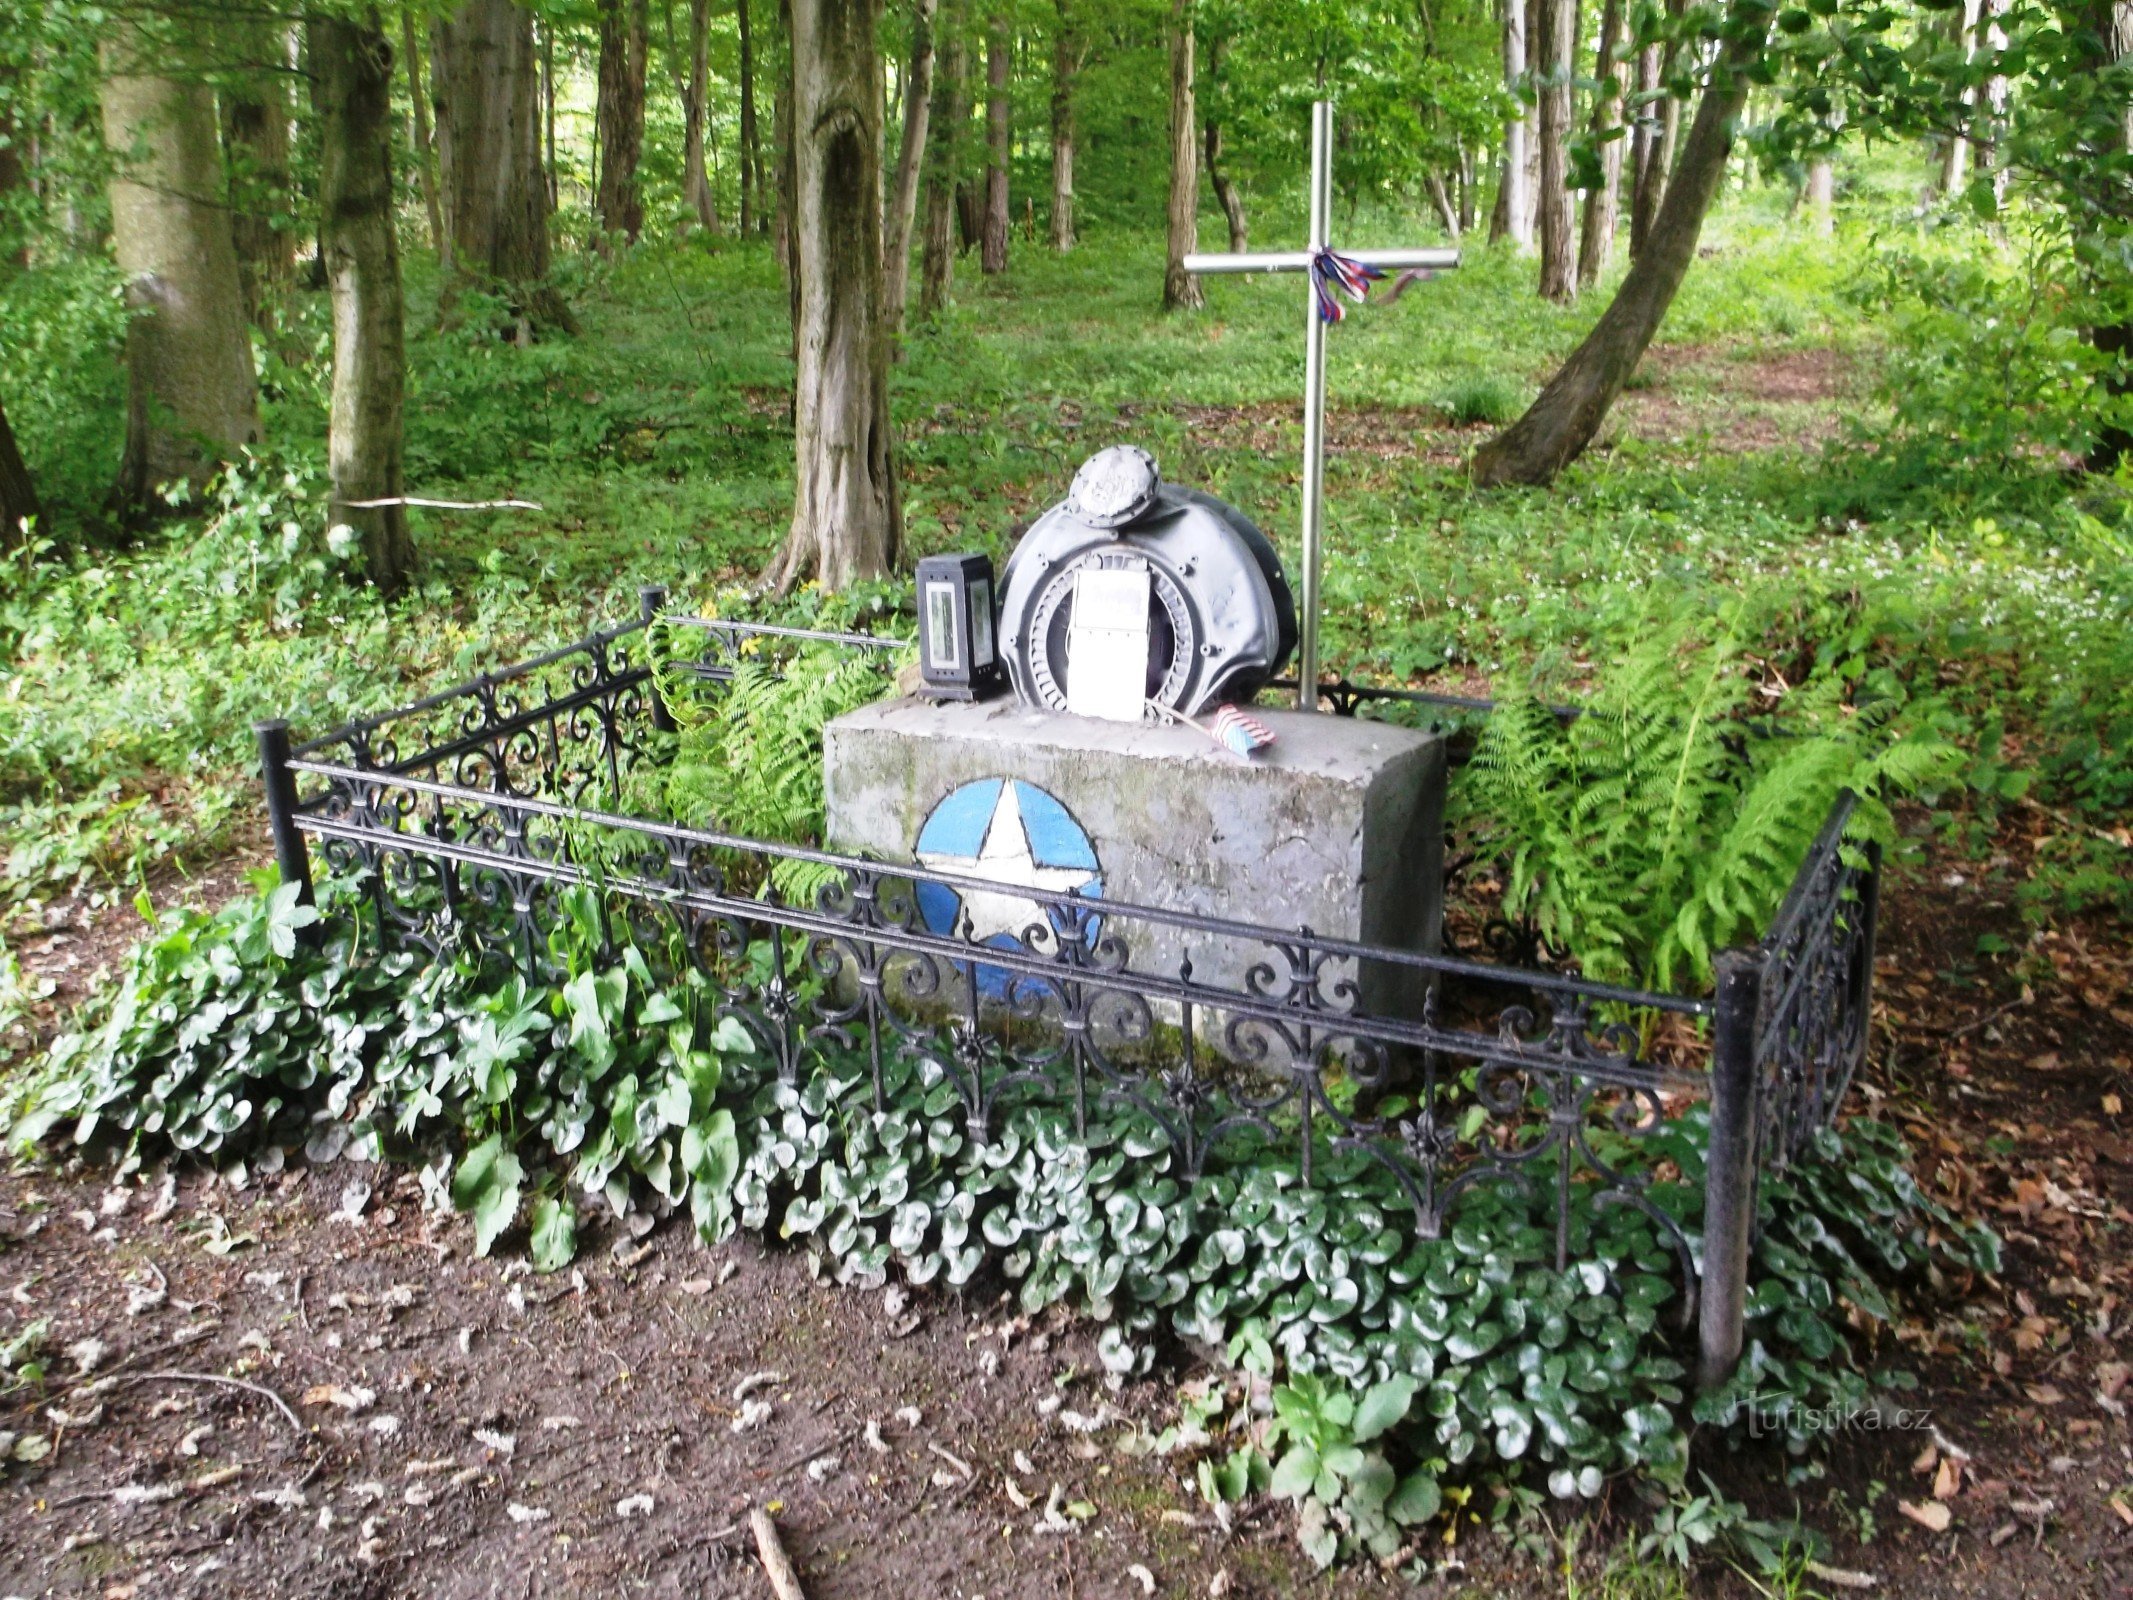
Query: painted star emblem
(1004, 858)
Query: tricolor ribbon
(1331, 270)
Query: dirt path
(466, 1428)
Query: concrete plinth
(1338, 827)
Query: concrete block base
(1338, 827)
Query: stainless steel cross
(1314, 461)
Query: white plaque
(1107, 644)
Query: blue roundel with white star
(1017, 837)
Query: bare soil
(468, 1428)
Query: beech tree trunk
(1513, 216)
(1955, 155)
(1568, 412)
(999, 144)
(695, 89)
(1644, 152)
(943, 161)
(1181, 290)
(751, 138)
(351, 67)
(425, 149)
(1821, 196)
(484, 87)
(1558, 219)
(255, 144)
(190, 401)
(782, 130)
(2112, 23)
(910, 163)
(18, 495)
(1226, 191)
(1066, 64)
(1596, 237)
(847, 522)
(625, 39)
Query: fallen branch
(444, 505)
(777, 1566)
(219, 1381)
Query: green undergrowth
(1404, 1370)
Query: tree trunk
(425, 150)
(782, 131)
(190, 402)
(1226, 191)
(1181, 290)
(751, 139)
(18, 495)
(1996, 101)
(1596, 240)
(910, 163)
(2112, 23)
(1821, 196)
(483, 81)
(999, 144)
(1558, 216)
(695, 114)
(1512, 218)
(255, 143)
(625, 38)
(1440, 198)
(847, 523)
(943, 157)
(351, 67)
(1066, 62)
(550, 172)
(1955, 155)
(1645, 180)
(1568, 412)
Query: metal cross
(1314, 460)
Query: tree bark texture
(351, 68)
(425, 147)
(782, 128)
(190, 402)
(484, 88)
(1646, 180)
(18, 495)
(1066, 65)
(625, 39)
(1513, 215)
(255, 144)
(847, 522)
(2112, 23)
(999, 144)
(1596, 236)
(695, 116)
(1955, 155)
(1821, 196)
(943, 163)
(1181, 290)
(1227, 194)
(1558, 218)
(751, 137)
(910, 164)
(1568, 412)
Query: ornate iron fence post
(291, 854)
(1729, 1175)
(651, 600)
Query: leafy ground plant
(1402, 1369)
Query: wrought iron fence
(471, 811)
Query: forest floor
(420, 1422)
